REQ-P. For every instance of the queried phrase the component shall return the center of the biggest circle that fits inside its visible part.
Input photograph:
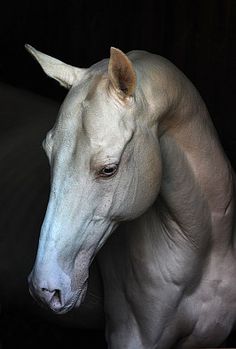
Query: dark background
(198, 36)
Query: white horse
(134, 150)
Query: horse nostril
(47, 290)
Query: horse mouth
(76, 301)
(64, 309)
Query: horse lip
(64, 308)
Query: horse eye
(108, 171)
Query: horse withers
(134, 152)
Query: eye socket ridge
(108, 171)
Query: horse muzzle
(56, 296)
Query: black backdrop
(198, 36)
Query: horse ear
(65, 74)
(121, 73)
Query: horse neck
(197, 175)
(197, 183)
(192, 216)
(191, 220)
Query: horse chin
(63, 310)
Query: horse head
(105, 169)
